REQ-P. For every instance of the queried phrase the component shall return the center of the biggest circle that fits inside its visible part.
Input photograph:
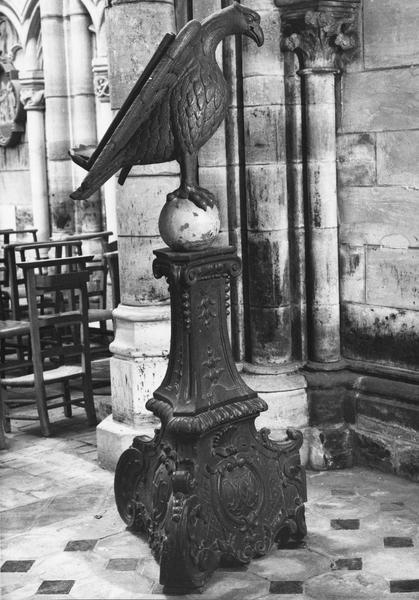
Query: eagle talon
(201, 197)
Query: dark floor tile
(57, 586)
(350, 564)
(122, 564)
(286, 587)
(80, 545)
(16, 566)
(391, 506)
(342, 492)
(404, 585)
(344, 523)
(398, 542)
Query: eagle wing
(173, 58)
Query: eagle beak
(255, 32)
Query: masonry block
(267, 207)
(352, 273)
(330, 447)
(270, 335)
(370, 214)
(407, 460)
(264, 133)
(392, 277)
(140, 202)
(138, 285)
(380, 334)
(397, 158)
(390, 33)
(356, 159)
(394, 105)
(268, 267)
(374, 451)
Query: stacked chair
(52, 294)
(60, 345)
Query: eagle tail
(96, 177)
(81, 156)
(124, 174)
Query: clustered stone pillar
(32, 96)
(88, 213)
(142, 335)
(321, 39)
(322, 35)
(60, 182)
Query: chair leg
(67, 399)
(3, 427)
(41, 402)
(89, 405)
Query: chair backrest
(36, 250)
(66, 322)
(98, 268)
(8, 236)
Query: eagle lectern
(208, 489)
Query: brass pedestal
(209, 488)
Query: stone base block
(113, 438)
(285, 394)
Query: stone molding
(322, 33)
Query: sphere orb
(185, 227)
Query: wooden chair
(6, 237)
(65, 358)
(30, 251)
(99, 311)
(16, 290)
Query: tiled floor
(63, 538)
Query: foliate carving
(206, 309)
(213, 371)
(32, 98)
(321, 39)
(222, 496)
(101, 86)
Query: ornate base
(225, 496)
(208, 488)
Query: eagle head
(247, 22)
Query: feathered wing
(113, 154)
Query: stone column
(322, 35)
(88, 213)
(32, 96)
(103, 120)
(60, 181)
(142, 336)
(322, 40)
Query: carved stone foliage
(209, 488)
(101, 86)
(321, 39)
(32, 98)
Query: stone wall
(15, 189)
(378, 181)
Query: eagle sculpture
(175, 107)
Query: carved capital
(323, 34)
(101, 80)
(32, 98)
(32, 94)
